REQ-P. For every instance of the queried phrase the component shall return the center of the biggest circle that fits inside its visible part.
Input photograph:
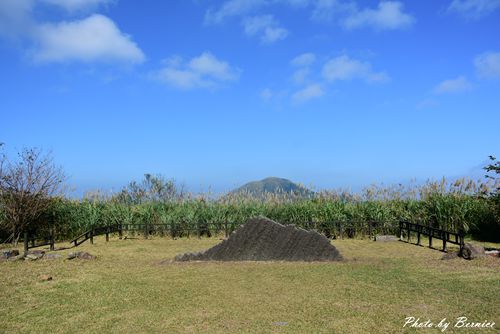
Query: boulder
(262, 239)
(471, 251)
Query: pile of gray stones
(13, 255)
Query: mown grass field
(130, 289)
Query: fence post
(431, 231)
(225, 228)
(444, 241)
(120, 231)
(401, 231)
(370, 229)
(52, 237)
(26, 243)
(145, 231)
(408, 231)
(107, 233)
(419, 228)
(92, 235)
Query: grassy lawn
(128, 289)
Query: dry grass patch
(126, 290)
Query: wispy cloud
(345, 68)
(488, 65)
(388, 15)
(309, 92)
(458, 85)
(78, 5)
(266, 27)
(302, 63)
(204, 71)
(305, 59)
(427, 104)
(16, 18)
(329, 10)
(232, 8)
(474, 9)
(95, 38)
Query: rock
(16, 258)
(72, 255)
(280, 323)
(45, 278)
(493, 253)
(52, 256)
(38, 253)
(450, 256)
(262, 239)
(81, 255)
(470, 251)
(385, 238)
(86, 256)
(31, 257)
(8, 253)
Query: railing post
(431, 232)
(26, 243)
(52, 237)
(419, 229)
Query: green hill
(273, 185)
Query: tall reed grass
(459, 205)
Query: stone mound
(262, 239)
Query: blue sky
(330, 93)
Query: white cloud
(232, 8)
(76, 5)
(95, 38)
(458, 85)
(266, 27)
(345, 68)
(309, 92)
(204, 71)
(488, 65)
(305, 59)
(388, 15)
(474, 9)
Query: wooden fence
(334, 230)
(456, 238)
